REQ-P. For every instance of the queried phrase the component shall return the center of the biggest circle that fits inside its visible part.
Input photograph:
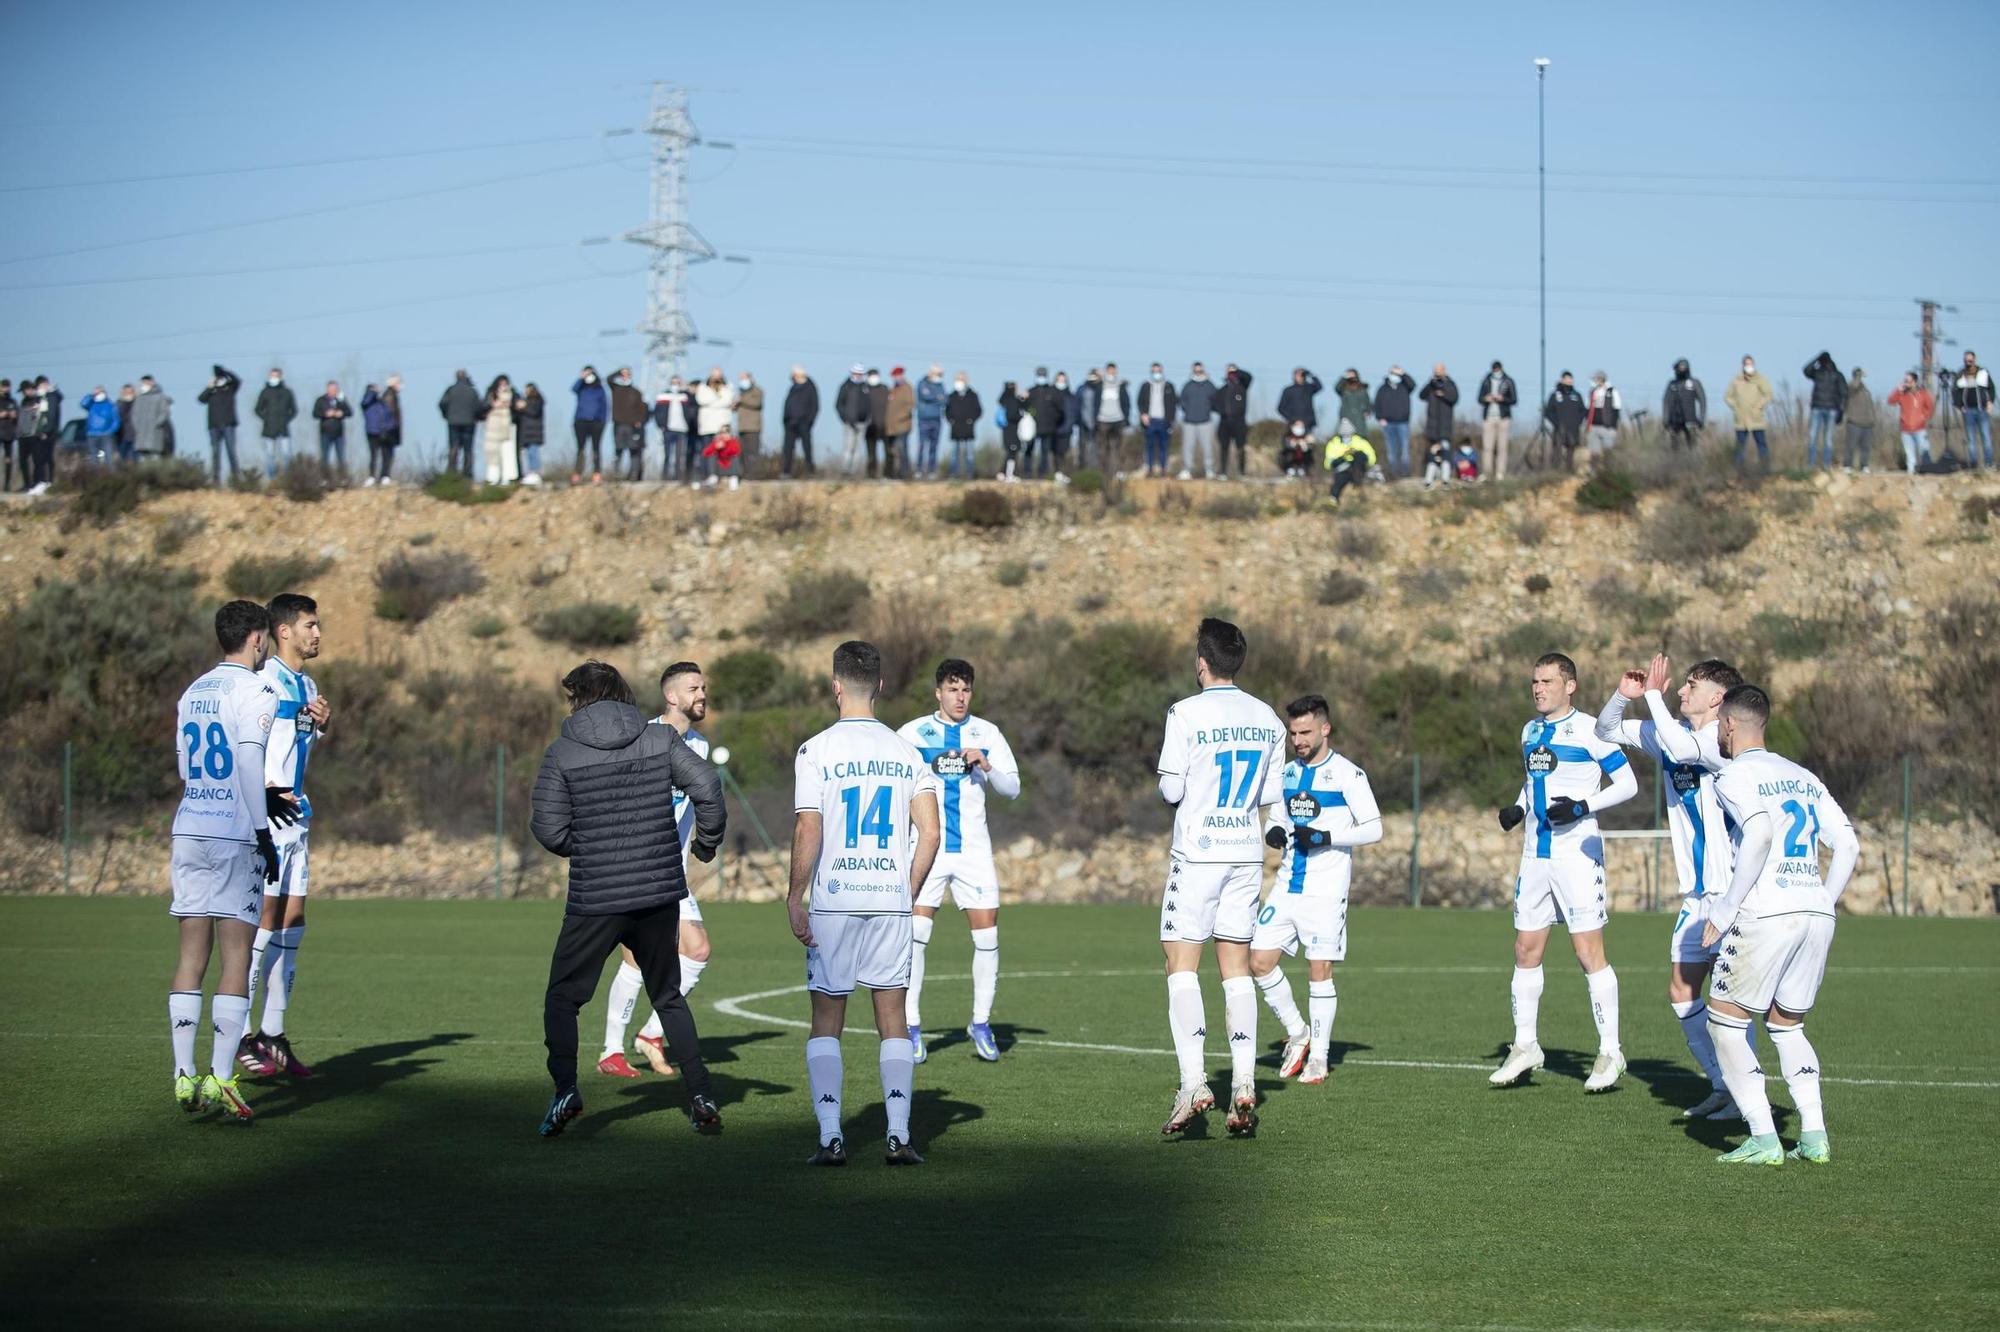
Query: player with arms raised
(859, 790)
(969, 756)
(222, 853)
(1689, 757)
(1219, 765)
(1329, 810)
(1774, 925)
(1572, 777)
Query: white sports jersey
(962, 814)
(1700, 834)
(1564, 757)
(683, 806)
(1226, 746)
(1334, 795)
(1803, 818)
(225, 715)
(292, 734)
(860, 777)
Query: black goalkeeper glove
(268, 849)
(703, 851)
(1274, 837)
(280, 808)
(1563, 811)
(1510, 818)
(1311, 839)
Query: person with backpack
(219, 396)
(277, 407)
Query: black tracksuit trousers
(653, 935)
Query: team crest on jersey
(1303, 807)
(264, 722)
(1541, 761)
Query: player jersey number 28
(208, 752)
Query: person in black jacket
(1497, 397)
(1232, 418)
(461, 407)
(1683, 407)
(875, 431)
(1442, 395)
(277, 406)
(331, 411)
(801, 410)
(604, 801)
(10, 422)
(1296, 402)
(1565, 412)
(850, 404)
(1392, 409)
(1049, 407)
(220, 398)
(1829, 404)
(531, 426)
(1157, 404)
(961, 413)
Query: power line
(304, 266)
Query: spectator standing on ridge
(801, 410)
(1972, 395)
(877, 400)
(219, 396)
(382, 422)
(101, 422)
(331, 411)
(1601, 425)
(902, 415)
(931, 394)
(152, 419)
(1049, 408)
(127, 448)
(532, 427)
(1295, 404)
(1748, 397)
(461, 408)
(40, 422)
(1861, 420)
(277, 407)
(502, 410)
(1565, 411)
(1683, 408)
(1111, 413)
(10, 427)
(1198, 424)
(850, 404)
(961, 412)
(1075, 424)
(1356, 403)
(1157, 404)
(593, 409)
(749, 414)
(1392, 409)
(1497, 397)
(1013, 419)
(1829, 404)
(628, 424)
(1914, 405)
(674, 414)
(1232, 418)
(1442, 395)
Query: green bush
(1529, 639)
(1358, 541)
(810, 604)
(410, 587)
(1340, 587)
(752, 678)
(1530, 530)
(102, 495)
(247, 481)
(585, 624)
(1011, 573)
(172, 536)
(1432, 585)
(305, 481)
(1536, 583)
(1792, 637)
(1236, 504)
(980, 507)
(458, 488)
(1607, 491)
(1692, 530)
(487, 626)
(1643, 612)
(261, 577)
(1087, 481)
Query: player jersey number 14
(867, 817)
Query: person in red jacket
(1914, 405)
(723, 451)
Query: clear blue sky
(992, 187)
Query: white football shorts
(294, 874)
(1292, 921)
(850, 950)
(1773, 960)
(1210, 901)
(1686, 945)
(1568, 891)
(224, 880)
(974, 884)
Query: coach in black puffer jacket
(604, 800)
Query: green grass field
(406, 1183)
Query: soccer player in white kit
(1219, 766)
(1689, 757)
(859, 791)
(1774, 926)
(222, 853)
(684, 694)
(1562, 866)
(1329, 810)
(970, 757)
(301, 719)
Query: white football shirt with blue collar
(1696, 823)
(1804, 817)
(1563, 757)
(1226, 746)
(293, 734)
(224, 717)
(860, 777)
(683, 805)
(962, 802)
(1332, 795)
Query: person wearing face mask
(1392, 409)
(101, 423)
(1601, 425)
(152, 420)
(801, 410)
(1052, 460)
(1232, 418)
(276, 409)
(878, 417)
(1748, 397)
(1017, 427)
(1861, 420)
(1972, 395)
(1047, 406)
(1497, 397)
(1157, 403)
(1683, 408)
(382, 422)
(628, 423)
(961, 412)
(1442, 395)
(900, 415)
(673, 413)
(1565, 412)
(1111, 414)
(461, 407)
(219, 396)
(331, 410)
(850, 404)
(930, 420)
(749, 414)
(593, 408)
(1197, 422)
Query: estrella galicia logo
(1303, 807)
(1541, 760)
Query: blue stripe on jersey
(1698, 852)
(1611, 762)
(1304, 786)
(289, 710)
(954, 828)
(1539, 785)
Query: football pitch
(406, 1182)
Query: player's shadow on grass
(932, 1111)
(1005, 1035)
(665, 1096)
(369, 1068)
(1676, 1088)
(1336, 1053)
(1557, 1064)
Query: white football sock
(1239, 1009)
(1189, 1025)
(920, 945)
(1693, 1017)
(1526, 992)
(899, 1066)
(823, 1076)
(985, 972)
(624, 998)
(230, 1012)
(1278, 994)
(690, 973)
(1604, 1008)
(1800, 1064)
(278, 991)
(1740, 1073)
(259, 967)
(183, 1021)
(1322, 999)
(652, 1030)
